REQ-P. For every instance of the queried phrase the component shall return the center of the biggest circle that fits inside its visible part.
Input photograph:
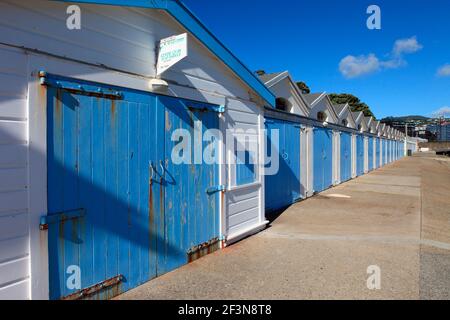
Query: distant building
(440, 131)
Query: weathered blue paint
(193, 24)
(377, 152)
(346, 156)
(359, 155)
(112, 159)
(370, 153)
(396, 149)
(388, 151)
(283, 188)
(323, 159)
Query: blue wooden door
(346, 156)
(370, 153)
(390, 151)
(377, 150)
(323, 161)
(359, 155)
(115, 215)
(292, 159)
(384, 151)
(395, 150)
(191, 216)
(283, 188)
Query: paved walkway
(396, 218)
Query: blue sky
(327, 44)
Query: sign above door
(171, 51)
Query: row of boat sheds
(106, 109)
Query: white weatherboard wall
(14, 233)
(353, 156)
(336, 157)
(119, 38)
(306, 161)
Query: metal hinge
(48, 80)
(212, 190)
(204, 249)
(219, 109)
(205, 107)
(90, 291)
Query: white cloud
(393, 63)
(444, 71)
(356, 66)
(352, 67)
(406, 46)
(442, 112)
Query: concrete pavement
(396, 218)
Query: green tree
(354, 102)
(303, 87)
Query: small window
(245, 156)
(321, 116)
(359, 127)
(344, 122)
(282, 104)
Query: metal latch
(216, 189)
(45, 221)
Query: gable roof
(344, 112)
(383, 129)
(339, 108)
(376, 126)
(311, 98)
(371, 125)
(272, 79)
(190, 22)
(357, 116)
(314, 98)
(268, 77)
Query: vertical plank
(70, 228)
(134, 259)
(175, 114)
(155, 132)
(160, 190)
(112, 207)
(143, 216)
(98, 173)
(86, 190)
(123, 194)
